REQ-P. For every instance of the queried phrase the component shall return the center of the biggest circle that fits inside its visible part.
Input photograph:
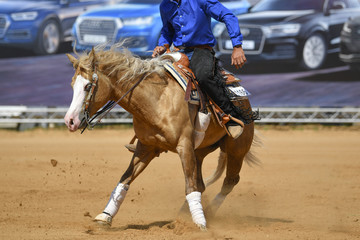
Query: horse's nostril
(71, 122)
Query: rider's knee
(203, 77)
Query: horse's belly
(213, 134)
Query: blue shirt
(188, 23)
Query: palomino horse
(162, 120)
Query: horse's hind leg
(232, 178)
(141, 158)
(235, 153)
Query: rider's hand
(238, 58)
(158, 51)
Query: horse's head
(91, 90)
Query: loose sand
(53, 183)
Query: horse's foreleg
(141, 158)
(193, 184)
(200, 155)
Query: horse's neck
(143, 100)
(141, 95)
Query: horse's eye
(87, 87)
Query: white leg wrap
(116, 199)
(197, 213)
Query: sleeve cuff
(236, 42)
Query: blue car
(138, 22)
(40, 25)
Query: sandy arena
(53, 183)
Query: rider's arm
(166, 35)
(217, 11)
(220, 13)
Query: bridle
(90, 89)
(87, 121)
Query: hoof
(103, 219)
(131, 147)
(202, 227)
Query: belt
(192, 47)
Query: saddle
(181, 72)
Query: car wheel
(48, 39)
(314, 52)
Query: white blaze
(72, 116)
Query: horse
(162, 121)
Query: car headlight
(137, 21)
(282, 30)
(218, 29)
(347, 28)
(24, 16)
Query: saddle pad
(194, 96)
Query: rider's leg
(203, 65)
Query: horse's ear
(92, 56)
(73, 60)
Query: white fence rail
(22, 114)
(310, 115)
(54, 115)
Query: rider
(187, 25)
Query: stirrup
(234, 130)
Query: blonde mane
(119, 62)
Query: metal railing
(23, 114)
(310, 115)
(54, 115)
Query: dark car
(40, 25)
(301, 31)
(350, 43)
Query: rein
(104, 110)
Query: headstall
(87, 121)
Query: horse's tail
(219, 169)
(250, 158)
